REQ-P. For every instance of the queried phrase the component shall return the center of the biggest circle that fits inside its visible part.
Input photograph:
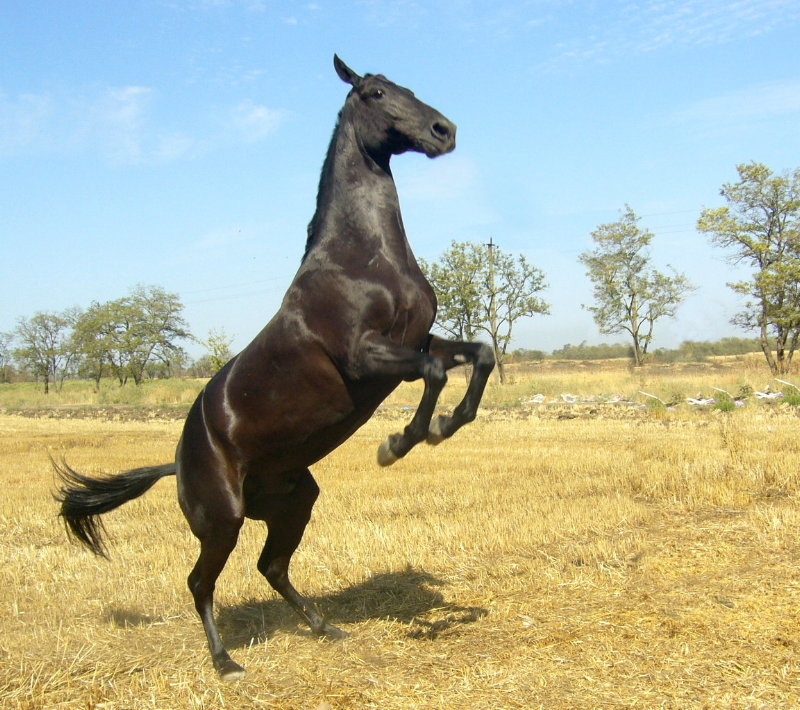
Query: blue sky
(179, 142)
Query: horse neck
(357, 201)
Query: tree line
(483, 291)
(136, 336)
(687, 351)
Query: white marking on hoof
(435, 435)
(386, 456)
(233, 675)
(232, 672)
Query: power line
(234, 296)
(237, 285)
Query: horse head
(390, 120)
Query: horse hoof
(333, 633)
(386, 457)
(435, 433)
(230, 670)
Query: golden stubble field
(603, 559)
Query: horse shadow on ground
(411, 597)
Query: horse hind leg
(286, 515)
(215, 515)
(215, 548)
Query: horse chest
(414, 311)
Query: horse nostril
(443, 130)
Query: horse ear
(346, 74)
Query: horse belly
(294, 418)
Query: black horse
(354, 323)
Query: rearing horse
(354, 323)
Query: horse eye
(378, 94)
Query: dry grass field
(546, 557)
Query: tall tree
(630, 295)
(160, 326)
(45, 346)
(5, 356)
(483, 290)
(218, 343)
(91, 336)
(761, 227)
(129, 333)
(457, 279)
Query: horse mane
(312, 231)
(325, 175)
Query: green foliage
(219, 347)
(724, 402)
(45, 347)
(700, 351)
(481, 290)
(178, 392)
(761, 227)
(527, 355)
(130, 334)
(687, 351)
(655, 405)
(458, 279)
(603, 351)
(5, 356)
(629, 295)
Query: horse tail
(83, 498)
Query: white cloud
(118, 125)
(253, 122)
(22, 120)
(452, 177)
(625, 28)
(771, 100)
(123, 125)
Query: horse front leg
(398, 445)
(380, 357)
(454, 353)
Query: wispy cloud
(22, 120)
(117, 124)
(623, 28)
(442, 199)
(424, 181)
(253, 122)
(475, 19)
(206, 5)
(772, 100)
(123, 125)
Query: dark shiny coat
(354, 323)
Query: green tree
(5, 356)
(761, 227)
(45, 346)
(456, 278)
(131, 333)
(218, 344)
(630, 295)
(584, 351)
(482, 290)
(91, 336)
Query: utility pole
(492, 294)
(493, 309)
